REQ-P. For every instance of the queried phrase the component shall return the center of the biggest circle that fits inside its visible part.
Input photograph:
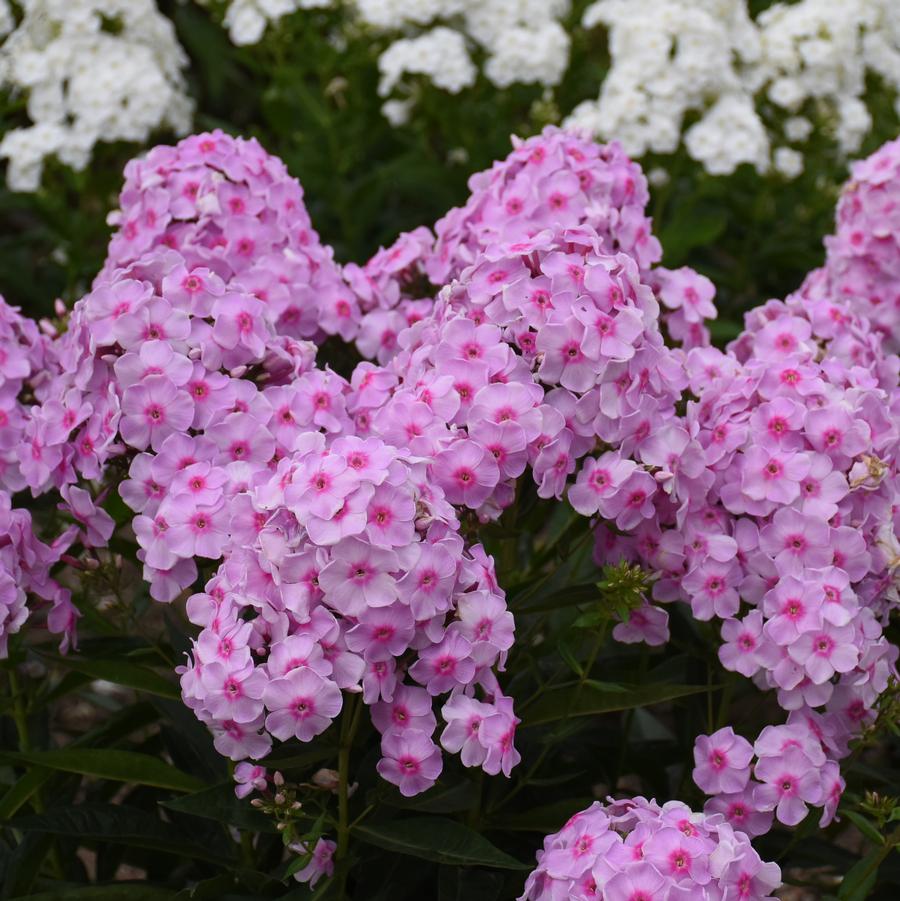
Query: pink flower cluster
(791, 768)
(550, 184)
(25, 564)
(343, 567)
(236, 217)
(531, 357)
(785, 530)
(637, 850)
(863, 262)
(26, 361)
(346, 573)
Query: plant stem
(20, 717)
(349, 724)
(891, 842)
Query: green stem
(349, 725)
(19, 714)
(629, 717)
(20, 718)
(891, 842)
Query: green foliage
(437, 839)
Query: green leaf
(212, 889)
(219, 803)
(439, 799)
(110, 731)
(559, 703)
(301, 761)
(698, 228)
(122, 672)
(193, 737)
(865, 826)
(23, 865)
(22, 790)
(564, 597)
(119, 824)
(567, 654)
(133, 891)
(611, 687)
(120, 766)
(860, 878)
(437, 839)
(460, 884)
(545, 818)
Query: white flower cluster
(522, 40)
(7, 22)
(439, 54)
(247, 20)
(90, 70)
(709, 58)
(823, 49)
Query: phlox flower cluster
(863, 256)
(541, 350)
(637, 850)
(150, 372)
(25, 564)
(347, 574)
(26, 358)
(343, 567)
(92, 70)
(672, 58)
(150, 381)
(787, 532)
(238, 218)
(787, 768)
(550, 182)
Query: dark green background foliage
(124, 784)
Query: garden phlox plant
(333, 518)
(759, 86)
(733, 87)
